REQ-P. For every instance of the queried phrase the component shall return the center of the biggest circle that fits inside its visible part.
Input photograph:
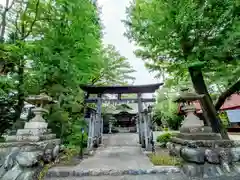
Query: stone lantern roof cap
(187, 95)
(39, 99)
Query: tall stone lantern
(203, 152)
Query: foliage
(7, 112)
(75, 138)
(116, 69)
(164, 138)
(175, 34)
(53, 47)
(224, 118)
(159, 159)
(166, 111)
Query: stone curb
(112, 172)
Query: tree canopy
(52, 47)
(176, 35)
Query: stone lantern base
(204, 153)
(21, 154)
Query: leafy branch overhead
(176, 34)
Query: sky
(113, 11)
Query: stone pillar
(110, 127)
(137, 125)
(139, 117)
(94, 130)
(145, 129)
(99, 118)
(89, 133)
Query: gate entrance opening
(95, 121)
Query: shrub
(164, 138)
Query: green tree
(116, 68)
(175, 35)
(165, 110)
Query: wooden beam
(133, 100)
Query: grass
(159, 160)
(162, 158)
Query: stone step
(199, 136)
(73, 172)
(17, 138)
(176, 176)
(170, 176)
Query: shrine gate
(95, 121)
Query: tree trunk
(206, 103)
(3, 23)
(20, 89)
(234, 88)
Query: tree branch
(231, 90)
(33, 22)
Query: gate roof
(91, 89)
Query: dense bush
(164, 138)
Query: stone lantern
(204, 153)
(22, 152)
(191, 122)
(39, 101)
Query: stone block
(212, 156)
(199, 136)
(36, 125)
(31, 132)
(205, 143)
(30, 138)
(235, 153)
(204, 129)
(196, 155)
(22, 138)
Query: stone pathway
(119, 153)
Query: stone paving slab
(126, 177)
(175, 176)
(120, 151)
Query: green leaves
(115, 68)
(175, 34)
